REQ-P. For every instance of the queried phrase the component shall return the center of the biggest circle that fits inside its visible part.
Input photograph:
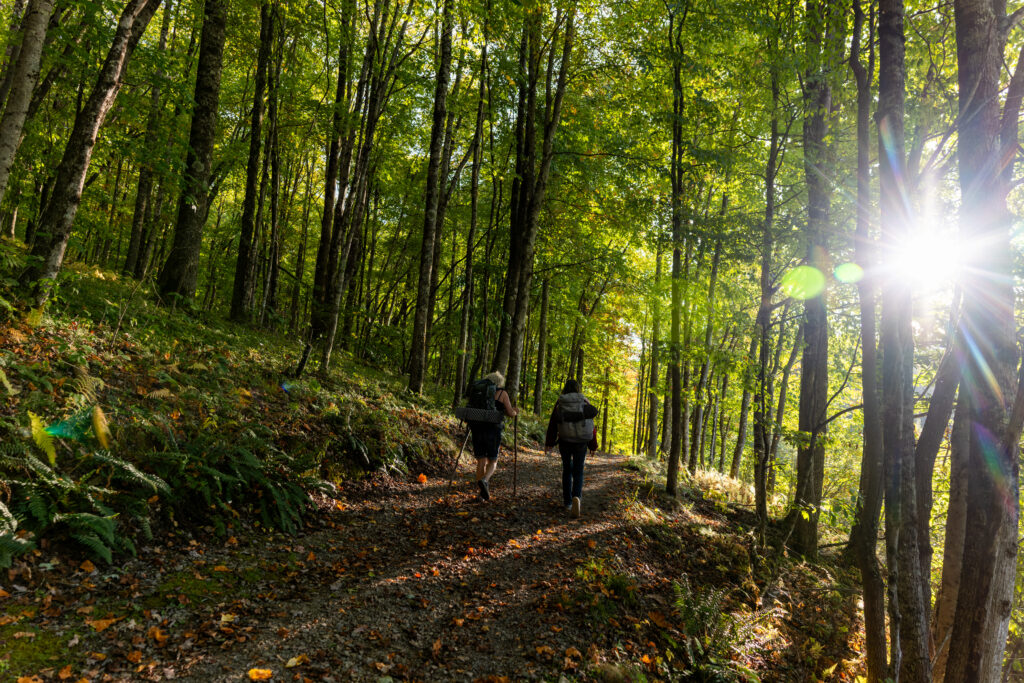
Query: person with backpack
(571, 426)
(488, 394)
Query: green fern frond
(42, 438)
(96, 545)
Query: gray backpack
(574, 427)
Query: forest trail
(413, 584)
(393, 580)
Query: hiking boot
(485, 492)
(574, 509)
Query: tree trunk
(535, 180)
(741, 428)
(985, 594)
(418, 344)
(58, 217)
(24, 75)
(244, 288)
(652, 411)
(814, 365)
(864, 535)
(697, 438)
(178, 275)
(144, 189)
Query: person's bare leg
(481, 468)
(491, 466)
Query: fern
(97, 546)
(42, 438)
(131, 474)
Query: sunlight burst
(927, 260)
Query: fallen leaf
(545, 650)
(297, 661)
(260, 674)
(573, 652)
(65, 673)
(100, 625)
(30, 679)
(436, 647)
(156, 634)
(221, 568)
(422, 479)
(228, 618)
(7, 619)
(4, 594)
(24, 634)
(591, 544)
(87, 567)
(659, 619)
(134, 657)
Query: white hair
(497, 378)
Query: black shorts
(486, 440)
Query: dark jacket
(551, 437)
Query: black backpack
(481, 394)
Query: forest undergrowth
(173, 507)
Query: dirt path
(408, 585)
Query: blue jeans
(574, 455)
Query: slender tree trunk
(741, 428)
(864, 535)
(814, 365)
(58, 217)
(24, 75)
(244, 288)
(652, 394)
(697, 439)
(144, 190)
(418, 344)
(536, 182)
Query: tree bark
(144, 189)
(24, 76)
(418, 344)
(864, 535)
(533, 201)
(58, 217)
(985, 593)
(178, 275)
(697, 438)
(244, 288)
(814, 364)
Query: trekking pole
(515, 453)
(451, 478)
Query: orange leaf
(221, 568)
(260, 674)
(659, 619)
(422, 479)
(87, 567)
(157, 635)
(101, 624)
(4, 594)
(30, 679)
(436, 647)
(65, 673)
(573, 652)
(591, 544)
(545, 650)
(134, 657)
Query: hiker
(572, 427)
(488, 394)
